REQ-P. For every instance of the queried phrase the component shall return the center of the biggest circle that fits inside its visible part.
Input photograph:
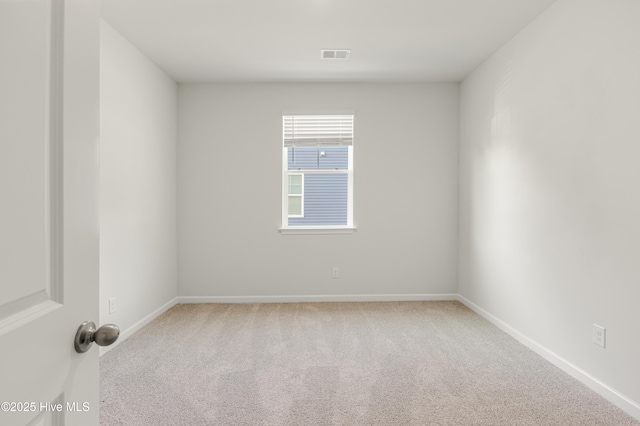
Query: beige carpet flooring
(404, 363)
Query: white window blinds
(316, 130)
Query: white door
(49, 100)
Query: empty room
(320, 212)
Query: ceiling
(280, 40)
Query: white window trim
(327, 229)
(312, 230)
(301, 195)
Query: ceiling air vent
(335, 53)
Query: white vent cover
(335, 53)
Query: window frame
(301, 195)
(316, 229)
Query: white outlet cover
(599, 335)
(335, 272)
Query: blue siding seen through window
(325, 200)
(325, 195)
(335, 157)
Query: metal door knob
(87, 334)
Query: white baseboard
(318, 298)
(613, 396)
(124, 335)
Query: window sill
(311, 230)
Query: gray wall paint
(549, 199)
(138, 224)
(405, 204)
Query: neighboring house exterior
(324, 196)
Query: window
(296, 195)
(317, 173)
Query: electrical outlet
(112, 305)
(599, 335)
(335, 272)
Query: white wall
(138, 224)
(405, 204)
(549, 186)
